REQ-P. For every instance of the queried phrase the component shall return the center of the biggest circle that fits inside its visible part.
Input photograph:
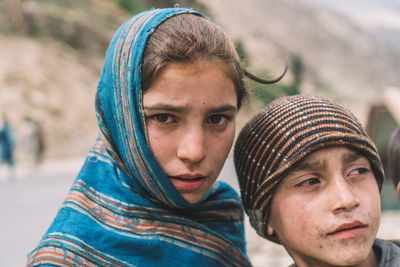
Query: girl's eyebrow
(223, 108)
(164, 107)
(171, 108)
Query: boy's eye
(359, 171)
(309, 182)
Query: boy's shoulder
(396, 242)
(389, 251)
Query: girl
(166, 105)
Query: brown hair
(190, 38)
(394, 157)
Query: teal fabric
(121, 209)
(7, 144)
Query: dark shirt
(389, 252)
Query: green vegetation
(132, 6)
(265, 94)
(244, 58)
(85, 25)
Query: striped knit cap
(281, 135)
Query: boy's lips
(348, 230)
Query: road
(28, 204)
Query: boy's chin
(355, 250)
(351, 256)
(353, 259)
(339, 254)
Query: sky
(373, 14)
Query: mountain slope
(342, 60)
(52, 51)
(51, 54)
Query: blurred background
(51, 54)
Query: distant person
(394, 160)
(7, 145)
(310, 180)
(147, 195)
(33, 140)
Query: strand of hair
(266, 81)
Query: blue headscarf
(122, 210)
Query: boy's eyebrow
(308, 166)
(351, 156)
(165, 107)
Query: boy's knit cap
(280, 136)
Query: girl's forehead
(190, 85)
(197, 65)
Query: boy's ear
(398, 190)
(270, 230)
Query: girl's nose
(191, 146)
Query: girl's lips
(185, 184)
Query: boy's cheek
(303, 230)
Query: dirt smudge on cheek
(321, 237)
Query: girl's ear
(270, 230)
(398, 190)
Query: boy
(310, 179)
(394, 160)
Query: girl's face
(190, 112)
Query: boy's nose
(342, 195)
(191, 146)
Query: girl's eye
(309, 182)
(217, 119)
(162, 118)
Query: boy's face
(326, 211)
